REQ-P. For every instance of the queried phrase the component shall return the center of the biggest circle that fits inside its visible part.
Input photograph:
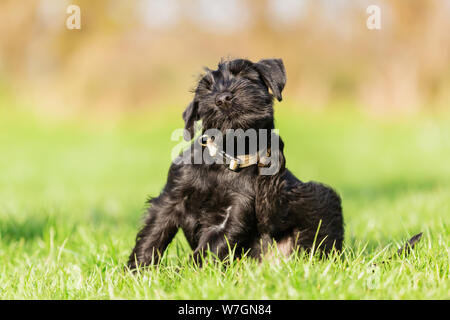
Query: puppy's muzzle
(223, 98)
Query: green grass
(72, 195)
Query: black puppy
(217, 207)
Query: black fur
(214, 205)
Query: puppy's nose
(223, 97)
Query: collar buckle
(260, 158)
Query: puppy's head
(238, 95)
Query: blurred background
(86, 118)
(147, 54)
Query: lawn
(72, 195)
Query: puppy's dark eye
(206, 83)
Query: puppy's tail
(406, 248)
(409, 245)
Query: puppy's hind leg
(160, 227)
(319, 215)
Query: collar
(260, 158)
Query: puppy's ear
(190, 115)
(273, 73)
